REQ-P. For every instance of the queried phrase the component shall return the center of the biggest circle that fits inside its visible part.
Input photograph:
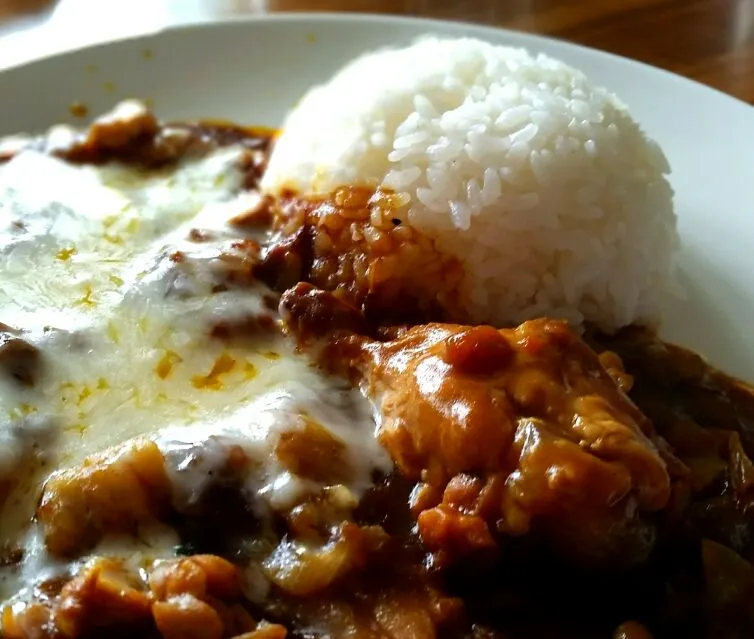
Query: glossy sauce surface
(525, 481)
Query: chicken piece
(358, 243)
(198, 575)
(196, 597)
(102, 595)
(509, 431)
(111, 492)
(120, 132)
(199, 598)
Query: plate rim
(303, 18)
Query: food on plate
(519, 167)
(518, 429)
(247, 389)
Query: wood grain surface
(711, 41)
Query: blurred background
(711, 41)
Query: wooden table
(711, 41)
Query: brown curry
(544, 485)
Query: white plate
(254, 70)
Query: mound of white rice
(541, 183)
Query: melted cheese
(123, 332)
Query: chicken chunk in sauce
(505, 432)
(111, 492)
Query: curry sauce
(217, 424)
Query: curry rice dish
(220, 419)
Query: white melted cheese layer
(123, 334)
